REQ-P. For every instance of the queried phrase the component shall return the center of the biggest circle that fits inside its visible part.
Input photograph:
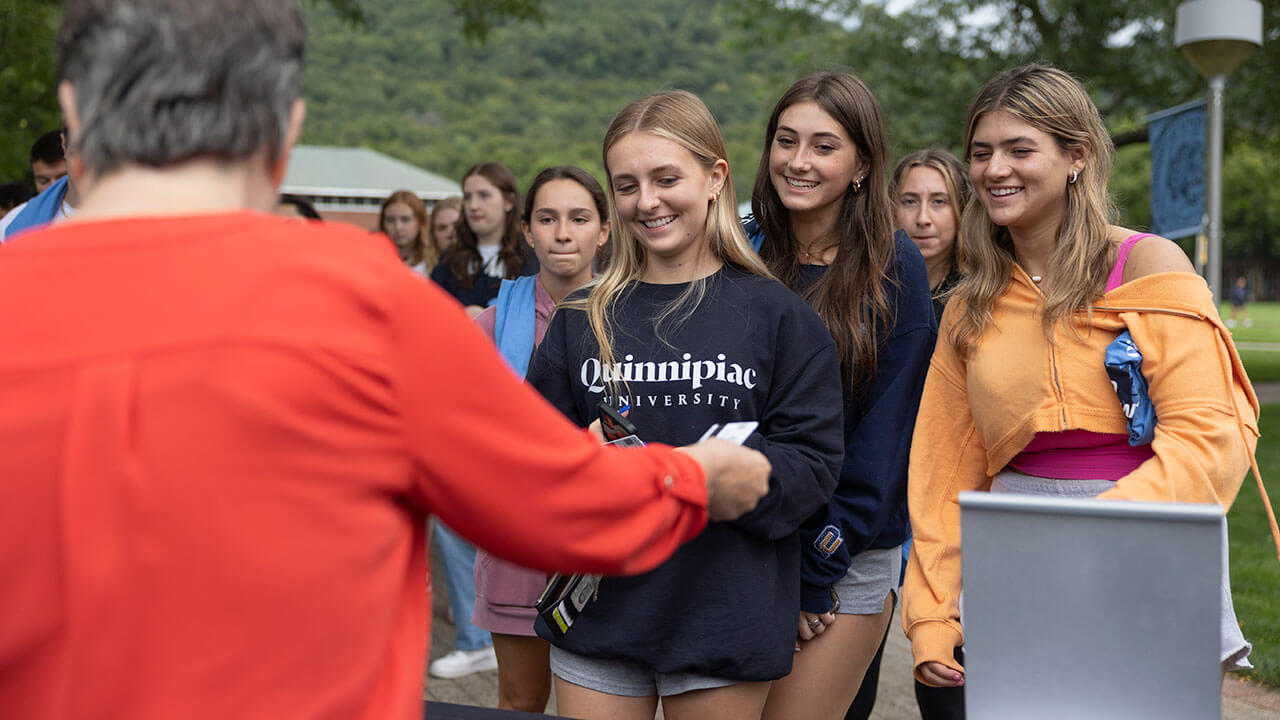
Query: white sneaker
(461, 663)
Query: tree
(27, 30)
(926, 63)
(28, 74)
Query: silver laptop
(1090, 608)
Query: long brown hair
(1055, 103)
(464, 257)
(851, 297)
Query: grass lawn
(1255, 571)
(1265, 325)
(1261, 366)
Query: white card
(735, 432)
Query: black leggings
(941, 703)
(935, 703)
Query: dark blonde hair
(417, 252)
(850, 297)
(1054, 103)
(682, 118)
(954, 176)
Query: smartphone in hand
(614, 424)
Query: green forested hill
(408, 83)
(533, 95)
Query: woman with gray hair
(223, 429)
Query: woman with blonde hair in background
(930, 190)
(688, 329)
(403, 218)
(1018, 397)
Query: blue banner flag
(1177, 169)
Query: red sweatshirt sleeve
(510, 473)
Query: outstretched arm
(509, 472)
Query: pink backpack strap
(1116, 278)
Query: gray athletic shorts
(872, 576)
(626, 678)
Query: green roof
(359, 173)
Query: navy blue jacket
(725, 604)
(485, 288)
(869, 509)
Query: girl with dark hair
(687, 327)
(490, 248)
(566, 219)
(823, 215)
(1018, 397)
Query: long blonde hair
(682, 118)
(1055, 103)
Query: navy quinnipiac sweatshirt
(869, 509)
(725, 604)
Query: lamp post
(1217, 36)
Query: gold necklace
(810, 254)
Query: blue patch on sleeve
(828, 541)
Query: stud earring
(857, 185)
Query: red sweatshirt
(220, 437)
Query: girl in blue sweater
(821, 204)
(687, 327)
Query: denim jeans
(459, 560)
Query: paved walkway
(1241, 700)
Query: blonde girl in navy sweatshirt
(688, 328)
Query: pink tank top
(1080, 454)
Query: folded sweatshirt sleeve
(878, 426)
(510, 473)
(947, 457)
(1206, 428)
